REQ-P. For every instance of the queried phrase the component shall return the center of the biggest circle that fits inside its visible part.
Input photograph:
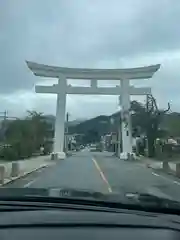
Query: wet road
(104, 173)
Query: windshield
(89, 98)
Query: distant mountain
(92, 129)
(75, 122)
(95, 127)
(51, 120)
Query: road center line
(102, 175)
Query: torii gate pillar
(126, 128)
(58, 150)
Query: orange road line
(102, 175)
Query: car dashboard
(85, 224)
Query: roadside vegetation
(23, 138)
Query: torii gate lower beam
(61, 89)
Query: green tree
(38, 127)
(17, 135)
(172, 124)
(27, 135)
(147, 119)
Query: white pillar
(125, 125)
(60, 118)
(94, 83)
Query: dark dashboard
(87, 233)
(85, 224)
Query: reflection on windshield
(110, 130)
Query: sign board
(114, 138)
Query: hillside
(51, 120)
(95, 127)
(102, 125)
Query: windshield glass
(89, 98)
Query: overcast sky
(87, 33)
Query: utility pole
(3, 115)
(119, 127)
(67, 130)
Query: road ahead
(104, 173)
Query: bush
(17, 150)
(25, 136)
(8, 153)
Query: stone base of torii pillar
(128, 156)
(58, 156)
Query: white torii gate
(61, 89)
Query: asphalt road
(104, 173)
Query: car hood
(123, 200)
(65, 192)
(62, 192)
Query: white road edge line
(35, 170)
(176, 182)
(155, 174)
(172, 181)
(29, 183)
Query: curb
(169, 172)
(11, 180)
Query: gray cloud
(89, 33)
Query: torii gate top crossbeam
(85, 73)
